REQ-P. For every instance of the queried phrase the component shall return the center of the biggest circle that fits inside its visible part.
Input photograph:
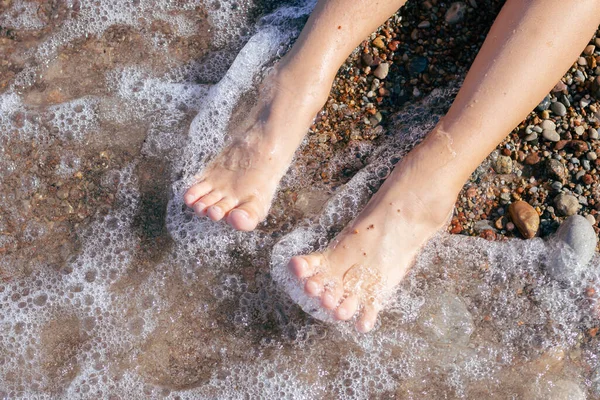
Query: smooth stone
(589, 50)
(548, 124)
(544, 104)
(455, 13)
(596, 87)
(558, 109)
(591, 156)
(382, 70)
(582, 61)
(531, 137)
(574, 245)
(579, 130)
(503, 165)
(593, 134)
(378, 42)
(417, 65)
(559, 87)
(446, 320)
(550, 135)
(525, 218)
(424, 24)
(566, 204)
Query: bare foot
(369, 258)
(241, 182)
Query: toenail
(241, 212)
(199, 207)
(312, 287)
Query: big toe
(243, 218)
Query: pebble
(424, 24)
(382, 70)
(525, 218)
(544, 104)
(577, 234)
(596, 87)
(566, 204)
(558, 109)
(582, 61)
(560, 86)
(532, 159)
(548, 124)
(579, 130)
(593, 134)
(550, 135)
(417, 65)
(531, 137)
(589, 50)
(62, 193)
(378, 42)
(591, 156)
(456, 13)
(446, 320)
(503, 165)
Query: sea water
(111, 288)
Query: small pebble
(456, 13)
(558, 109)
(525, 218)
(382, 70)
(550, 135)
(548, 124)
(566, 204)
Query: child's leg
(241, 182)
(529, 46)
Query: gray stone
(566, 204)
(382, 70)
(548, 124)
(551, 135)
(558, 108)
(456, 13)
(544, 104)
(531, 137)
(556, 170)
(573, 247)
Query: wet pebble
(525, 218)
(456, 13)
(417, 65)
(447, 320)
(544, 104)
(576, 241)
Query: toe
(244, 217)
(367, 319)
(347, 309)
(195, 192)
(332, 295)
(303, 266)
(217, 211)
(314, 285)
(201, 206)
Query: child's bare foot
(241, 182)
(370, 257)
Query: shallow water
(112, 289)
